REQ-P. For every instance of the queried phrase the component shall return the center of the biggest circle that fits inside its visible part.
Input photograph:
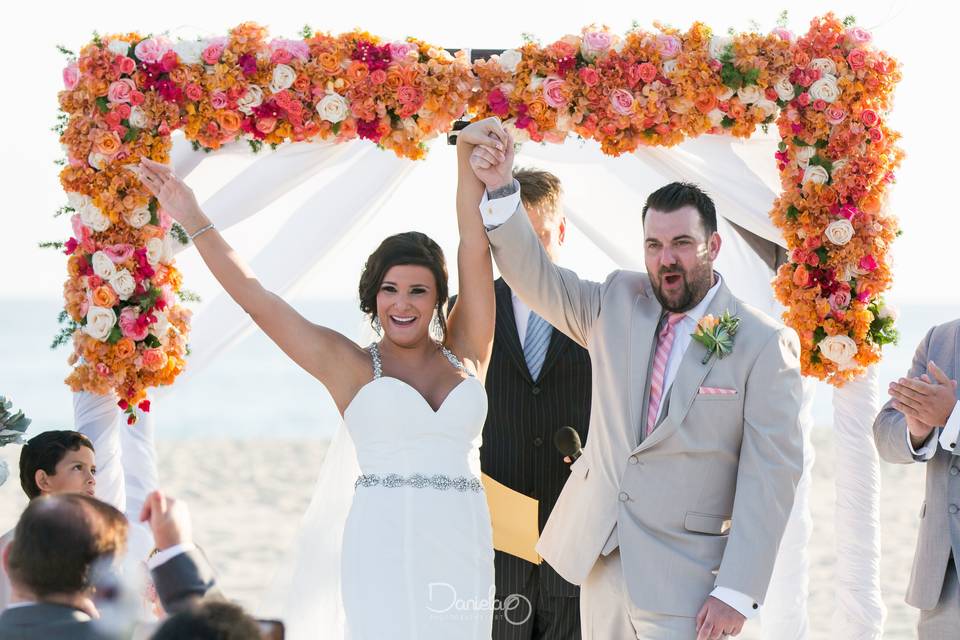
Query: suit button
(953, 509)
(623, 496)
(954, 471)
(535, 391)
(537, 441)
(634, 459)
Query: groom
(672, 518)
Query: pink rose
(596, 42)
(784, 34)
(152, 50)
(820, 105)
(281, 56)
(194, 92)
(218, 100)
(868, 263)
(78, 227)
(835, 114)
(857, 59)
(647, 72)
(400, 50)
(858, 36)
(804, 99)
(129, 325)
(165, 220)
(211, 55)
(285, 50)
(409, 96)
(840, 300)
(71, 76)
(668, 46)
(589, 76)
(869, 117)
(266, 125)
(136, 98)
(127, 65)
(621, 101)
(378, 76)
(119, 252)
(120, 90)
(553, 92)
(875, 134)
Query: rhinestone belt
(418, 481)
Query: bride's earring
(436, 328)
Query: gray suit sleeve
(771, 462)
(184, 579)
(890, 430)
(558, 295)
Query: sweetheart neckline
(443, 403)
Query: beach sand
(247, 498)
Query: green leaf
(50, 245)
(823, 254)
(151, 341)
(153, 207)
(782, 146)
(849, 21)
(65, 335)
(255, 145)
(730, 76)
(336, 128)
(103, 104)
(62, 49)
(115, 335)
(783, 19)
(821, 144)
(180, 234)
(131, 134)
(306, 32)
(727, 122)
(751, 77)
(799, 142)
(819, 334)
(792, 213)
(187, 295)
(63, 210)
(149, 299)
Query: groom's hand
(717, 619)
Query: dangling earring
(436, 328)
(377, 326)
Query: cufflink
(756, 606)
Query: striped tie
(535, 344)
(660, 360)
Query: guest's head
(210, 620)
(58, 542)
(57, 462)
(404, 288)
(541, 193)
(680, 244)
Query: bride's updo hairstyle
(410, 248)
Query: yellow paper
(515, 520)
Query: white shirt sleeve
(497, 211)
(169, 554)
(744, 604)
(927, 450)
(951, 431)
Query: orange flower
(706, 102)
(105, 296)
(154, 359)
(229, 120)
(124, 348)
(107, 142)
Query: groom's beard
(696, 283)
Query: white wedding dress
(413, 559)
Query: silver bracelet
(196, 233)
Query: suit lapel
(506, 324)
(643, 327)
(690, 375)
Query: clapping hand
(925, 403)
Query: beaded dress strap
(377, 361)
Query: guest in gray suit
(921, 423)
(61, 539)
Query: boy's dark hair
(45, 451)
(210, 620)
(681, 194)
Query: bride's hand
(172, 193)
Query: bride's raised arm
(321, 351)
(473, 317)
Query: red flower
(369, 129)
(144, 406)
(123, 404)
(648, 72)
(71, 246)
(131, 419)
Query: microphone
(567, 440)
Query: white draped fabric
(603, 199)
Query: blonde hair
(539, 190)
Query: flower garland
(827, 92)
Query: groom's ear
(713, 245)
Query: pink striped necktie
(660, 360)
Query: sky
(917, 33)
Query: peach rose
(707, 323)
(801, 277)
(107, 143)
(154, 359)
(124, 348)
(229, 120)
(621, 101)
(104, 296)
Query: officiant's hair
(410, 248)
(681, 194)
(538, 188)
(45, 451)
(59, 539)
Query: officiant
(538, 382)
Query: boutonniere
(716, 334)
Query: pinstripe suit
(518, 451)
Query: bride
(417, 550)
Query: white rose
(680, 105)
(839, 232)
(750, 94)
(283, 77)
(333, 107)
(509, 60)
(519, 135)
(97, 161)
(154, 251)
(669, 66)
(885, 312)
(535, 82)
(100, 322)
(138, 118)
(816, 174)
(189, 51)
(138, 218)
(785, 89)
(825, 66)
(716, 117)
(123, 283)
(103, 266)
(119, 47)
(159, 328)
(839, 164)
(825, 89)
(77, 201)
(564, 121)
(845, 274)
(804, 154)
(167, 254)
(93, 218)
(718, 46)
(725, 95)
(839, 349)
(252, 98)
(618, 44)
(769, 107)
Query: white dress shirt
(521, 312)
(947, 440)
(496, 212)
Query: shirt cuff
(927, 450)
(951, 431)
(498, 210)
(169, 554)
(744, 604)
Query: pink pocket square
(717, 391)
